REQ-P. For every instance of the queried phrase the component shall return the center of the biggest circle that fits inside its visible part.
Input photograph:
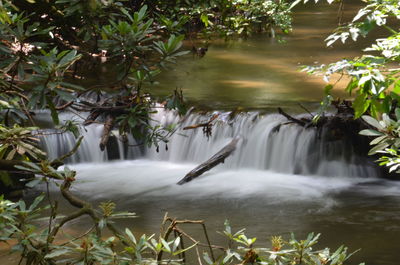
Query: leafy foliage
(43, 45)
(19, 221)
(19, 141)
(386, 140)
(373, 78)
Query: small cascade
(268, 142)
(58, 144)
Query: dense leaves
(17, 220)
(374, 78)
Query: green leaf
(377, 148)
(373, 122)
(176, 243)
(126, 13)
(36, 202)
(360, 105)
(327, 89)
(53, 112)
(184, 250)
(397, 111)
(142, 12)
(69, 58)
(379, 139)
(33, 183)
(130, 235)
(166, 245)
(57, 253)
(204, 19)
(11, 154)
(206, 257)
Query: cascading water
(267, 143)
(58, 144)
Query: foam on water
(267, 143)
(148, 178)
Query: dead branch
(174, 228)
(306, 110)
(216, 159)
(300, 122)
(66, 105)
(92, 117)
(205, 124)
(197, 242)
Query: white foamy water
(147, 178)
(267, 143)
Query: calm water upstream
(278, 181)
(260, 72)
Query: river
(278, 181)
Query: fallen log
(216, 159)
(108, 126)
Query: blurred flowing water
(282, 178)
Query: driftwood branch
(205, 124)
(300, 122)
(215, 160)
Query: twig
(198, 256)
(173, 227)
(304, 108)
(52, 212)
(340, 12)
(197, 242)
(66, 105)
(79, 237)
(208, 242)
(205, 124)
(300, 122)
(58, 161)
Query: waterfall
(268, 142)
(57, 144)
